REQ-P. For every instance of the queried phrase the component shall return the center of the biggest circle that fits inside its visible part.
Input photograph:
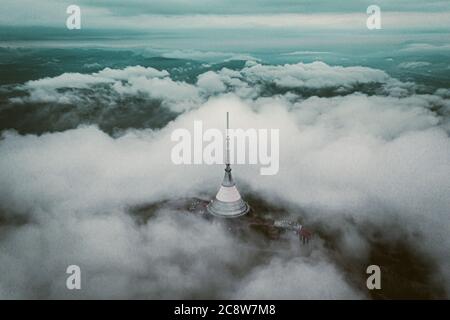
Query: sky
(246, 27)
(203, 14)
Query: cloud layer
(139, 97)
(365, 159)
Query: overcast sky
(163, 14)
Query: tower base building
(228, 202)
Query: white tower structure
(228, 202)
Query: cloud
(158, 84)
(79, 221)
(178, 96)
(210, 56)
(108, 85)
(414, 64)
(301, 53)
(131, 72)
(425, 47)
(296, 279)
(316, 21)
(314, 75)
(67, 80)
(139, 93)
(363, 168)
(171, 257)
(211, 82)
(306, 79)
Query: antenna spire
(228, 141)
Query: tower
(228, 202)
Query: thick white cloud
(296, 279)
(211, 82)
(174, 256)
(255, 78)
(67, 80)
(131, 72)
(381, 161)
(178, 96)
(313, 75)
(133, 80)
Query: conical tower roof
(228, 202)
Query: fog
(366, 162)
